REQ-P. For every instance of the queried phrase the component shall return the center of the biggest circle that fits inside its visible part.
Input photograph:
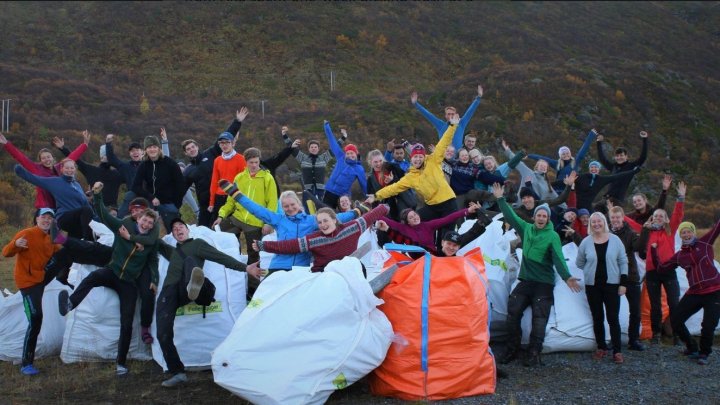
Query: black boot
(509, 355)
(532, 359)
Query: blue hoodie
(288, 227)
(66, 191)
(345, 171)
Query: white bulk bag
(195, 336)
(14, 325)
(303, 336)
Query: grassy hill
(551, 72)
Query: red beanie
(352, 148)
(417, 149)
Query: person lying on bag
(185, 282)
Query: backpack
(207, 291)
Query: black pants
(77, 223)
(331, 199)
(539, 296)
(655, 281)
(147, 298)
(172, 297)
(605, 296)
(633, 297)
(204, 217)
(126, 291)
(32, 303)
(77, 251)
(689, 305)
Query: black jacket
(161, 179)
(111, 178)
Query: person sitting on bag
(186, 282)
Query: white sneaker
(121, 370)
(174, 381)
(196, 281)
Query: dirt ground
(659, 375)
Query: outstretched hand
(473, 207)
(480, 91)
(123, 232)
(296, 143)
(242, 113)
(382, 225)
(643, 134)
(86, 137)
(455, 119)
(504, 144)
(163, 134)
(255, 270)
(681, 189)
(97, 187)
(570, 178)
(666, 181)
(414, 97)
(255, 246)
(284, 130)
(58, 142)
(498, 190)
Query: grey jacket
(541, 184)
(616, 260)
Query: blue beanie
(542, 207)
(594, 163)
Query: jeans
(539, 296)
(607, 296)
(168, 212)
(689, 305)
(655, 281)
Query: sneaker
(702, 360)
(691, 354)
(174, 381)
(121, 370)
(229, 188)
(508, 357)
(599, 354)
(362, 208)
(532, 360)
(64, 304)
(637, 346)
(197, 277)
(29, 370)
(618, 358)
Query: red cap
(417, 149)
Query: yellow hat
(688, 225)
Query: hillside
(551, 72)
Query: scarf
(229, 156)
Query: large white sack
(14, 325)
(196, 337)
(303, 336)
(92, 330)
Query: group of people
(420, 200)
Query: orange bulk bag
(646, 325)
(439, 310)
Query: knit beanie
(417, 149)
(686, 225)
(594, 163)
(352, 148)
(527, 192)
(542, 207)
(151, 140)
(582, 211)
(563, 149)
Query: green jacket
(200, 251)
(541, 248)
(127, 262)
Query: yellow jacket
(429, 180)
(259, 188)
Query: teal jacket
(541, 248)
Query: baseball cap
(43, 211)
(452, 236)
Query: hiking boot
(532, 360)
(197, 277)
(29, 370)
(637, 346)
(508, 357)
(500, 373)
(64, 304)
(618, 358)
(121, 370)
(229, 187)
(362, 208)
(703, 360)
(691, 354)
(174, 381)
(656, 339)
(599, 354)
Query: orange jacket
(30, 262)
(225, 169)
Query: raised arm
(435, 121)
(471, 109)
(333, 143)
(448, 219)
(288, 246)
(208, 252)
(262, 213)
(110, 154)
(585, 147)
(509, 215)
(236, 123)
(446, 140)
(103, 214)
(602, 157)
(164, 142)
(551, 162)
(644, 151)
(19, 157)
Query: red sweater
(30, 262)
(225, 169)
(326, 248)
(665, 242)
(697, 261)
(43, 198)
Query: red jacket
(43, 198)
(665, 242)
(697, 260)
(326, 248)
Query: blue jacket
(345, 171)
(569, 165)
(296, 226)
(403, 164)
(442, 126)
(66, 191)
